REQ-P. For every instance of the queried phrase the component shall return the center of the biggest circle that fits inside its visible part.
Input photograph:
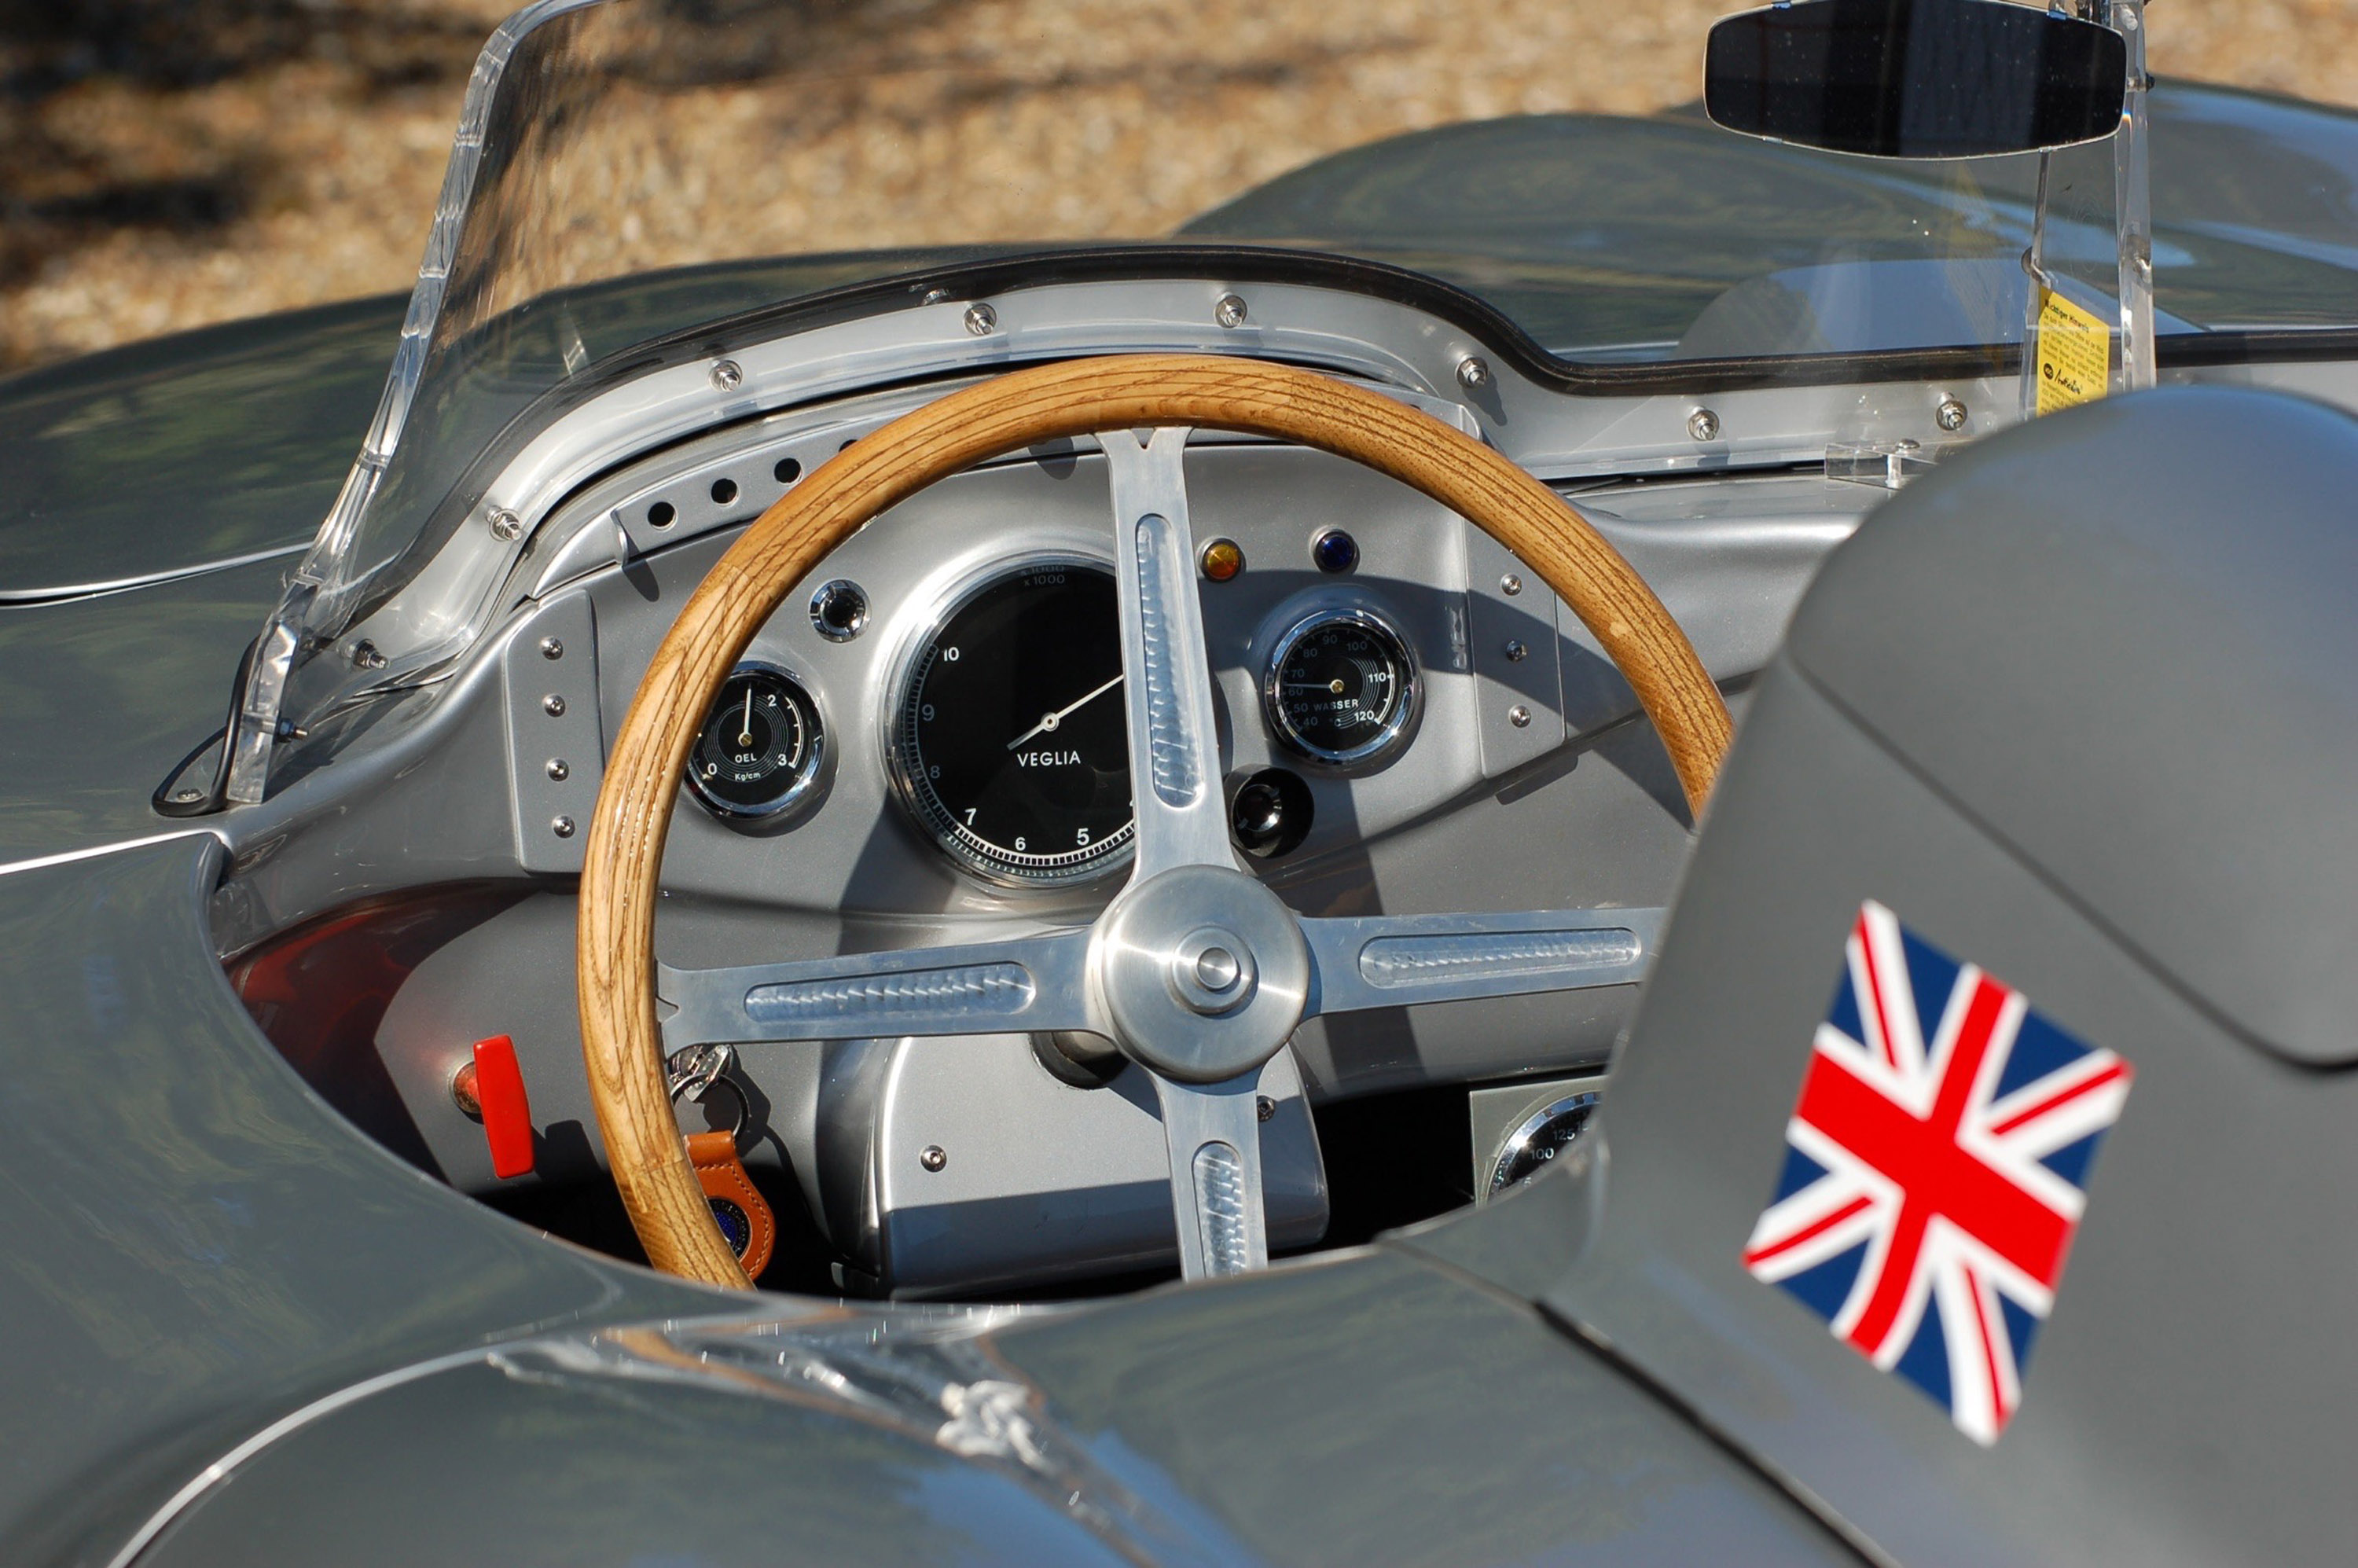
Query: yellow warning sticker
(2074, 360)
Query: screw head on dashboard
(934, 1157)
(1264, 1108)
(559, 768)
(1519, 717)
(506, 526)
(1517, 652)
(726, 375)
(1229, 311)
(562, 827)
(1703, 425)
(981, 320)
(1510, 585)
(1950, 414)
(553, 705)
(1472, 373)
(551, 648)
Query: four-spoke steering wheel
(1196, 970)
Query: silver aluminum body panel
(1980, 720)
(231, 1249)
(1347, 1410)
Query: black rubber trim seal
(1496, 332)
(1492, 329)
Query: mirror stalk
(2133, 205)
(2034, 262)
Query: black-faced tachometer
(1008, 742)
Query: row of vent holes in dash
(662, 515)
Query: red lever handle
(501, 1101)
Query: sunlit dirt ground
(170, 163)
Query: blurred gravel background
(169, 163)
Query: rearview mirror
(1915, 79)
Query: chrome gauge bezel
(807, 772)
(970, 853)
(1394, 732)
(1582, 1103)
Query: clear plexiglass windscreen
(631, 169)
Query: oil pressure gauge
(759, 750)
(1341, 687)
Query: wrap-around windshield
(627, 169)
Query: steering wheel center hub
(1213, 972)
(1202, 972)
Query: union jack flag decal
(1935, 1170)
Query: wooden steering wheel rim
(620, 1038)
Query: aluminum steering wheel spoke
(1174, 747)
(981, 988)
(1213, 1132)
(1410, 959)
(1187, 920)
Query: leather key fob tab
(744, 1216)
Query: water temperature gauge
(759, 750)
(1341, 687)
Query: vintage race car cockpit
(1072, 842)
(1425, 797)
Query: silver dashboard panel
(1573, 808)
(860, 848)
(1465, 604)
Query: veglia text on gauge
(1009, 744)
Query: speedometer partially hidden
(1009, 744)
